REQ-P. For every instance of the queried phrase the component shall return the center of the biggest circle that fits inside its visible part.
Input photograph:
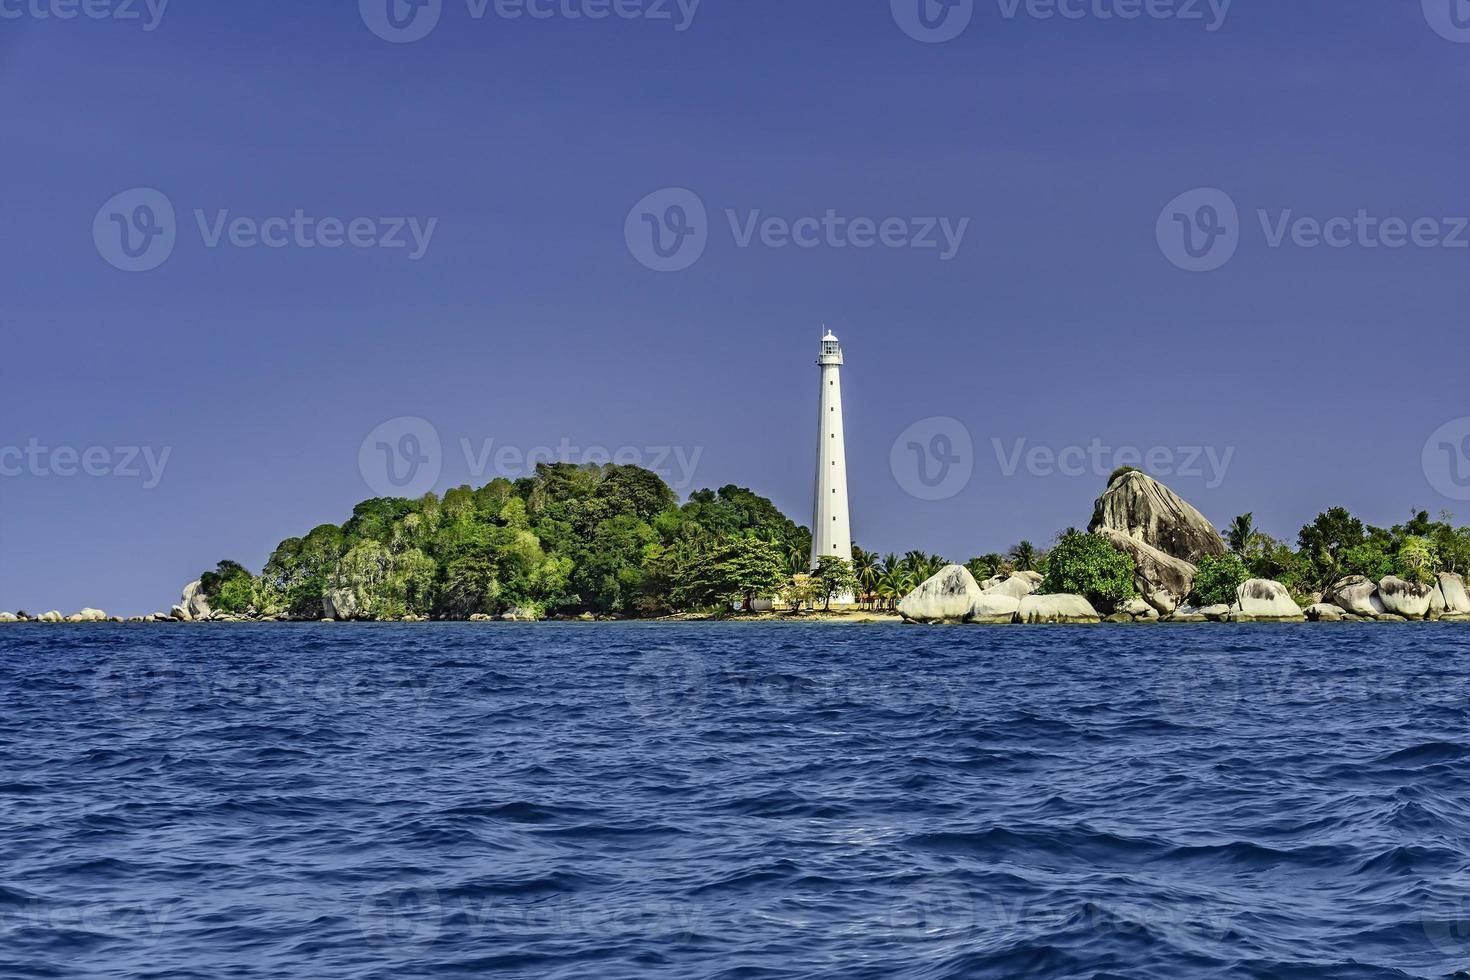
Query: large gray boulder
(1355, 594)
(1261, 598)
(6, 617)
(194, 601)
(90, 615)
(1453, 596)
(1163, 580)
(1144, 509)
(994, 608)
(1324, 612)
(945, 598)
(341, 605)
(1057, 609)
(1018, 586)
(1401, 598)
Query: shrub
(1087, 565)
(1112, 477)
(1368, 559)
(1417, 561)
(1218, 579)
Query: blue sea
(734, 801)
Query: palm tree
(1024, 556)
(1242, 533)
(892, 587)
(865, 567)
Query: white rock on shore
(1261, 598)
(1018, 586)
(194, 601)
(1403, 598)
(1324, 612)
(945, 598)
(1356, 595)
(1057, 609)
(1452, 593)
(994, 608)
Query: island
(612, 542)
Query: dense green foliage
(609, 540)
(1337, 544)
(1220, 576)
(833, 577)
(1087, 565)
(229, 587)
(613, 540)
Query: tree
(1023, 556)
(986, 566)
(743, 567)
(865, 567)
(1417, 561)
(1369, 559)
(833, 576)
(229, 588)
(1242, 533)
(1219, 579)
(1323, 542)
(1087, 565)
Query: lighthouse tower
(831, 528)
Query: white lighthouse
(831, 527)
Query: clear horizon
(244, 250)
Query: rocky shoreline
(1166, 541)
(1144, 553)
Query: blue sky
(521, 149)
